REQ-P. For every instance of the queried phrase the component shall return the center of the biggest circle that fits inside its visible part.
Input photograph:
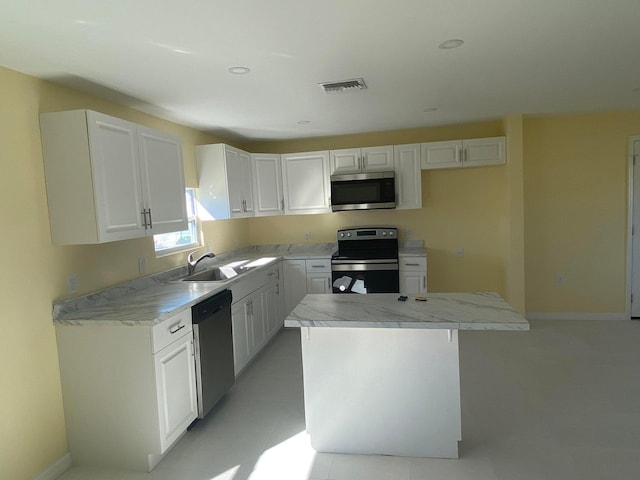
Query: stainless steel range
(366, 261)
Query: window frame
(191, 220)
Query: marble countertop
(150, 300)
(459, 311)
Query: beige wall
(32, 434)
(575, 179)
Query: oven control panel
(366, 233)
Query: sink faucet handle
(191, 263)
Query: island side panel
(382, 391)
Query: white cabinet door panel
(408, 176)
(445, 154)
(377, 159)
(306, 183)
(484, 151)
(176, 384)
(163, 181)
(116, 177)
(267, 184)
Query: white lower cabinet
(295, 283)
(129, 392)
(256, 314)
(413, 275)
(176, 385)
(305, 276)
(318, 275)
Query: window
(178, 241)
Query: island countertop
(459, 311)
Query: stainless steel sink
(228, 271)
(212, 275)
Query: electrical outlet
(460, 252)
(72, 283)
(559, 280)
(409, 233)
(142, 265)
(307, 236)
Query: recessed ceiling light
(430, 109)
(239, 70)
(304, 122)
(453, 43)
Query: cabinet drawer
(318, 265)
(413, 264)
(171, 329)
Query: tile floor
(559, 402)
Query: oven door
(365, 278)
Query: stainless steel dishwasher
(213, 343)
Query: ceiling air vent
(344, 86)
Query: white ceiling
(171, 58)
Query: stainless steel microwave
(363, 191)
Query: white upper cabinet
(267, 184)
(224, 181)
(357, 160)
(306, 182)
(162, 180)
(484, 151)
(442, 154)
(109, 179)
(408, 176)
(464, 153)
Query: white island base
(390, 391)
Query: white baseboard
(54, 471)
(575, 316)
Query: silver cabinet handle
(411, 264)
(176, 328)
(150, 219)
(424, 283)
(317, 266)
(144, 218)
(329, 284)
(282, 204)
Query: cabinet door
(241, 332)
(295, 283)
(306, 183)
(346, 160)
(319, 283)
(246, 184)
(257, 319)
(235, 182)
(413, 283)
(176, 389)
(162, 175)
(442, 154)
(267, 184)
(484, 151)
(408, 176)
(116, 177)
(377, 159)
(270, 309)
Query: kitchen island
(382, 376)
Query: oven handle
(389, 261)
(364, 267)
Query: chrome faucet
(191, 263)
